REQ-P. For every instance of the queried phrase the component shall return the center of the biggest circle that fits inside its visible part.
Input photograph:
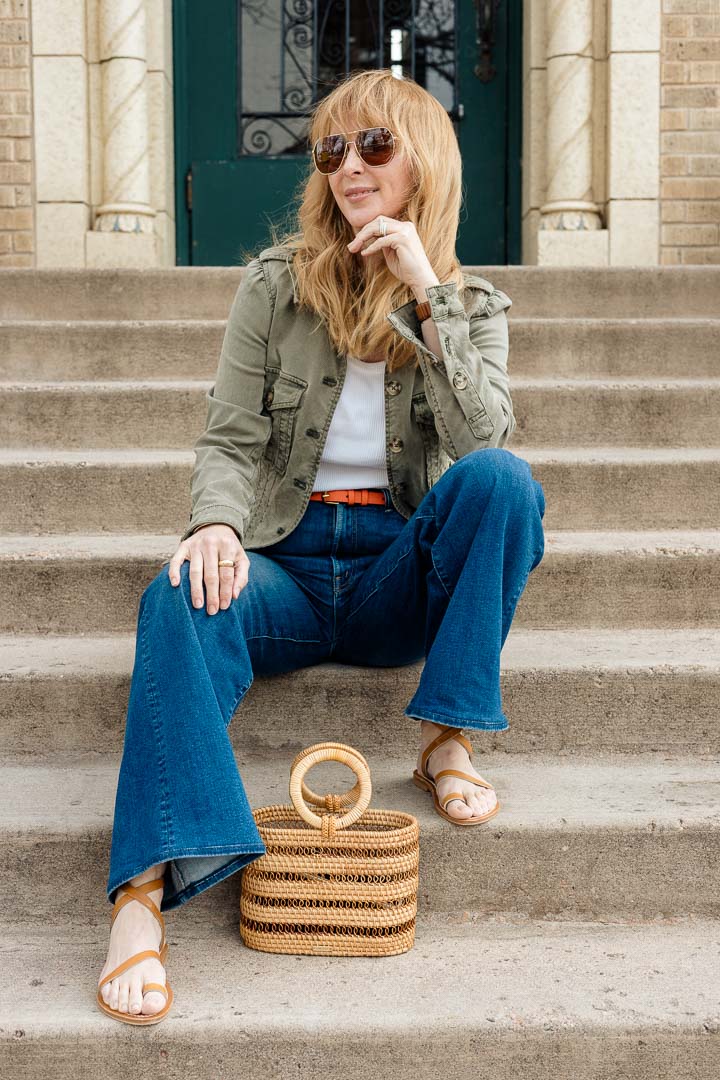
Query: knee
(495, 465)
(483, 470)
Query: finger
(176, 562)
(226, 576)
(211, 576)
(196, 576)
(373, 228)
(242, 570)
(381, 242)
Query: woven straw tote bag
(332, 883)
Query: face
(390, 185)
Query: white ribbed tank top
(354, 452)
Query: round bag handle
(359, 796)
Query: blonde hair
(329, 278)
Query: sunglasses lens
(328, 153)
(376, 146)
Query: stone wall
(17, 236)
(690, 139)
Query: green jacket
(277, 386)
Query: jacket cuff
(444, 301)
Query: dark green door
(247, 72)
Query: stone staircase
(576, 936)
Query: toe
(484, 803)
(458, 809)
(153, 1002)
(114, 990)
(135, 999)
(124, 996)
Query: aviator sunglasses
(376, 146)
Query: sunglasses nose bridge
(351, 144)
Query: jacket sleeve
(236, 432)
(468, 387)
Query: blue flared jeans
(350, 584)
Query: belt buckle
(330, 502)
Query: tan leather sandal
(137, 892)
(428, 783)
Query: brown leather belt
(352, 496)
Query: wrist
(420, 289)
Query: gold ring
(226, 562)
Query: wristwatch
(423, 311)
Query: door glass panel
(293, 52)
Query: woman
(359, 445)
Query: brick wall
(16, 213)
(690, 132)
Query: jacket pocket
(282, 398)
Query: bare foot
(134, 930)
(479, 801)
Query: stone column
(569, 201)
(126, 205)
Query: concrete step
(207, 292)
(189, 348)
(556, 1000)
(92, 583)
(610, 836)
(564, 692)
(127, 491)
(556, 413)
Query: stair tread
(569, 454)
(151, 545)
(553, 382)
(567, 978)
(43, 655)
(75, 793)
(591, 321)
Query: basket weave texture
(332, 883)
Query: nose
(353, 161)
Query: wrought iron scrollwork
(292, 52)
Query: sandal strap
(463, 776)
(130, 962)
(155, 986)
(446, 734)
(138, 892)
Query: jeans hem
(495, 724)
(168, 903)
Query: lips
(359, 192)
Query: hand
(404, 254)
(204, 549)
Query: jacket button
(393, 388)
(280, 529)
(329, 380)
(268, 399)
(396, 445)
(460, 380)
(312, 433)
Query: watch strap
(423, 311)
